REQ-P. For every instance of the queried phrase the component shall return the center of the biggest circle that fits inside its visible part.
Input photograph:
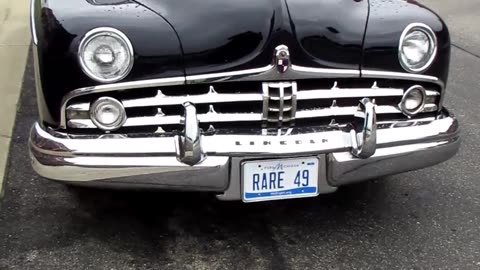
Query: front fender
(58, 27)
(386, 22)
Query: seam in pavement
(466, 51)
(5, 136)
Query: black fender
(386, 22)
(58, 27)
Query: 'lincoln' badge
(282, 58)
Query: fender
(58, 27)
(386, 23)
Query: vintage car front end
(156, 96)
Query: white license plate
(278, 179)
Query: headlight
(418, 47)
(106, 55)
(108, 113)
(413, 100)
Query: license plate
(279, 179)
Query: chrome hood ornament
(282, 58)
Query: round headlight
(108, 113)
(106, 55)
(413, 100)
(418, 47)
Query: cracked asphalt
(428, 219)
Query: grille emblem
(279, 105)
(282, 58)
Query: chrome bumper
(162, 162)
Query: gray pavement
(429, 219)
(463, 19)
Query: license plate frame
(311, 190)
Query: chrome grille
(255, 105)
(279, 104)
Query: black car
(252, 100)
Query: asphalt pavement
(428, 219)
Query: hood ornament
(282, 58)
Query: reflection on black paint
(387, 21)
(237, 47)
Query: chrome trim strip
(430, 108)
(79, 107)
(229, 117)
(431, 93)
(33, 27)
(131, 122)
(36, 68)
(298, 72)
(336, 93)
(270, 73)
(210, 98)
(407, 122)
(281, 104)
(400, 76)
(328, 71)
(174, 120)
(227, 76)
(266, 104)
(293, 110)
(343, 111)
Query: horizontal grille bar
(213, 98)
(239, 117)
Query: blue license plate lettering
(267, 181)
(302, 178)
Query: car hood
(227, 35)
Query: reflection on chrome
(89, 158)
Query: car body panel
(226, 35)
(386, 22)
(60, 27)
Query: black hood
(225, 35)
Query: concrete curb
(14, 48)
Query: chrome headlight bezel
(111, 101)
(411, 112)
(105, 31)
(432, 52)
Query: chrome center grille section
(279, 105)
(253, 107)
